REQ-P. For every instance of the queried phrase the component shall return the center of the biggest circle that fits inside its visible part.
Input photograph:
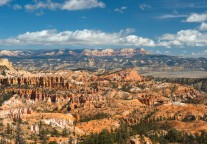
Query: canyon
(82, 102)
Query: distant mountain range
(100, 59)
(86, 52)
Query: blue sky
(174, 27)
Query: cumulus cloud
(4, 2)
(49, 37)
(67, 5)
(191, 38)
(121, 9)
(203, 26)
(42, 5)
(194, 17)
(144, 6)
(77, 38)
(82, 4)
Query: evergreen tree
(70, 140)
(19, 135)
(203, 137)
(44, 140)
(65, 132)
(43, 136)
(174, 136)
(8, 129)
(55, 132)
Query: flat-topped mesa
(7, 63)
(123, 75)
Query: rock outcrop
(7, 64)
(123, 75)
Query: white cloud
(203, 26)
(67, 5)
(144, 6)
(77, 38)
(127, 31)
(42, 5)
(17, 7)
(121, 9)
(191, 38)
(194, 17)
(183, 38)
(170, 16)
(4, 2)
(82, 4)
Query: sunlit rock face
(6, 63)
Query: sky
(172, 27)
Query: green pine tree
(19, 135)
